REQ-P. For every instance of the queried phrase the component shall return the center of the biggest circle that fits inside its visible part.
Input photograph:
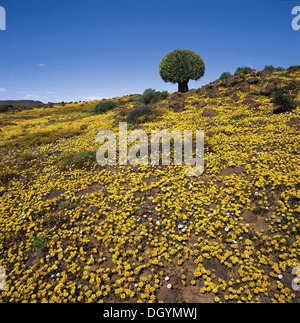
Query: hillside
(74, 231)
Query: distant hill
(25, 103)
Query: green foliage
(80, 160)
(104, 106)
(38, 244)
(151, 96)
(293, 68)
(9, 107)
(139, 112)
(284, 102)
(241, 70)
(271, 68)
(225, 75)
(181, 65)
(67, 205)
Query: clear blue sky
(59, 50)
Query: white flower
(169, 286)
(280, 276)
(167, 278)
(226, 229)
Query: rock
(234, 82)
(207, 112)
(167, 295)
(34, 259)
(201, 104)
(155, 190)
(214, 265)
(235, 98)
(293, 122)
(245, 88)
(141, 212)
(84, 126)
(176, 105)
(55, 193)
(275, 80)
(268, 90)
(252, 104)
(24, 103)
(253, 80)
(210, 134)
(227, 171)
(249, 217)
(239, 170)
(173, 281)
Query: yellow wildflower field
(149, 233)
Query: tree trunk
(183, 87)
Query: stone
(268, 90)
(239, 170)
(84, 126)
(249, 217)
(207, 112)
(34, 259)
(293, 122)
(227, 171)
(55, 193)
(245, 88)
(253, 80)
(176, 105)
(167, 295)
(235, 98)
(173, 281)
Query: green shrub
(225, 75)
(242, 70)
(151, 96)
(139, 112)
(38, 244)
(269, 68)
(285, 102)
(104, 106)
(79, 160)
(66, 205)
(293, 68)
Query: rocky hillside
(74, 231)
(24, 103)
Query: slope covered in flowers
(122, 234)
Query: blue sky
(62, 50)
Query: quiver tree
(180, 66)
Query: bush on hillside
(139, 112)
(293, 68)
(243, 70)
(285, 102)
(80, 160)
(104, 106)
(151, 96)
(225, 76)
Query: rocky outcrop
(24, 103)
